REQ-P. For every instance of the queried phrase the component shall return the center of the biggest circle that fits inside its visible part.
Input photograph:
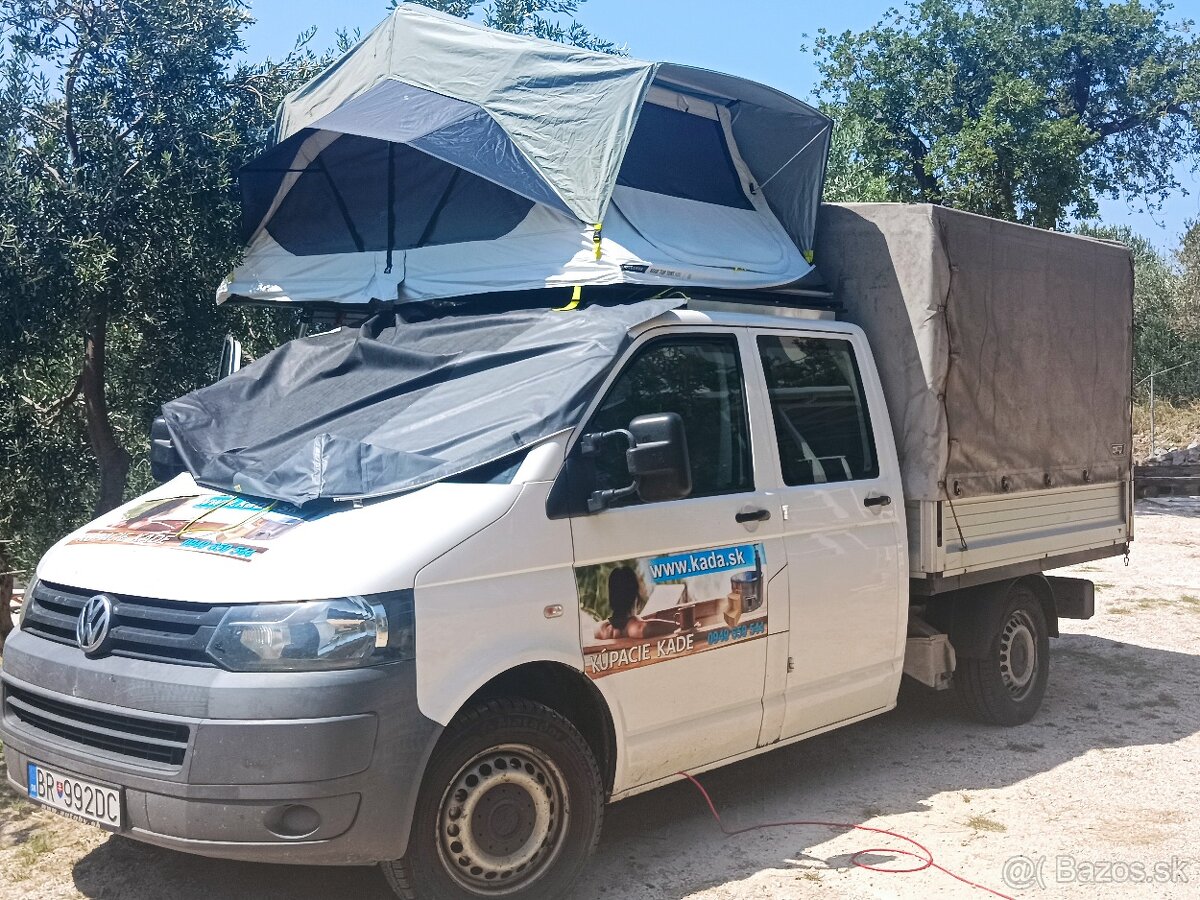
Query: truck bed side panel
(1010, 529)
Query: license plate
(75, 797)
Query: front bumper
(309, 767)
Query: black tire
(1006, 686)
(532, 773)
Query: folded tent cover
(396, 405)
(438, 158)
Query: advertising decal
(638, 612)
(220, 524)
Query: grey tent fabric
(567, 111)
(567, 114)
(627, 172)
(1004, 350)
(784, 142)
(392, 406)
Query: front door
(675, 596)
(842, 527)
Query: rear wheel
(510, 807)
(1007, 684)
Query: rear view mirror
(165, 461)
(656, 457)
(659, 460)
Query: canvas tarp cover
(392, 406)
(1005, 351)
(439, 158)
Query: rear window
(822, 424)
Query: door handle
(752, 515)
(878, 500)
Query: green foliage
(552, 20)
(1026, 110)
(851, 178)
(122, 125)
(1178, 344)
(1166, 312)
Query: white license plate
(75, 797)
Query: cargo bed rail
(962, 542)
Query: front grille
(142, 628)
(147, 739)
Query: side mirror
(657, 459)
(231, 357)
(165, 461)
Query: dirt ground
(1097, 793)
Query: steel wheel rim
(502, 820)
(1019, 661)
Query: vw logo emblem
(91, 631)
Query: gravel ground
(1094, 794)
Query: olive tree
(553, 20)
(122, 126)
(1027, 110)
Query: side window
(700, 378)
(821, 419)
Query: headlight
(316, 634)
(26, 602)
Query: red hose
(924, 857)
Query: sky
(760, 39)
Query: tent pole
(341, 204)
(391, 202)
(437, 210)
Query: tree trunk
(6, 593)
(111, 456)
(927, 183)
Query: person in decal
(623, 593)
(151, 516)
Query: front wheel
(1006, 685)
(510, 807)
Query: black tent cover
(393, 405)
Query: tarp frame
(1005, 351)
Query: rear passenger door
(842, 527)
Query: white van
(719, 559)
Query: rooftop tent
(438, 158)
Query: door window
(821, 420)
(700, 378)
